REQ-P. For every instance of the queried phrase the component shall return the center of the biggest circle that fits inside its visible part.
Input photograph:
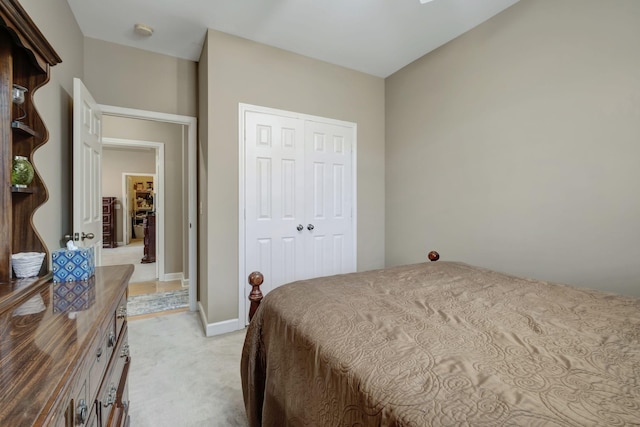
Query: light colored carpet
(131, 254)
(179, 377)
(158, 301)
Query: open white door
(87, 165)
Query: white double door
(299, 191)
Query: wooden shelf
(24, 190)
(146, 197)
(24, 128)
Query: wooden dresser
(64, 352)
(109, 222)
(64, 355)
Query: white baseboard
(218, 328)
(185, 283)
(173, 276)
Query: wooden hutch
(64, 355)
(25, 58)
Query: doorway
(187, 197)
(133, 172)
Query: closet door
(328, 199)
(298, 199)
(274, 197)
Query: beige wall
(127, 77)
(239, 70)
(516, 146)
(115, 162)
(115, 75)
(54, 101)
(170, 135)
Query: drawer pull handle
(111, 397)
(125, 351)
(122, 312)
(112, 339)
(81, 412)
(99, 353)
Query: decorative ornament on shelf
(18, 97)
(21, 172)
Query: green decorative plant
(21, 172)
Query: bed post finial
(255, 296)
(433, 256)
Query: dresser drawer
(115, 386)
(101, 353)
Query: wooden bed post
(433, 256)
(255, 296)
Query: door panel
(329, 198)
(87, 160)
(274, 197)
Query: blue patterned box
(73, 266)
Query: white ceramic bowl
(27, 264)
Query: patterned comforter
(441, 344)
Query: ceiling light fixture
(425, 1)
(143, 30)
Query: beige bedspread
(441, 344)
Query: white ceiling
(377, 37)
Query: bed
(441, 344)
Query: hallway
(131, 254)
(144, 279)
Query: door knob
(88, 235)
(310, 227)
(300, 227)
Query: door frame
(158, 148)
(191, 174)
(243, 284)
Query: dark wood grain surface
(6, 223)
(40, 346)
